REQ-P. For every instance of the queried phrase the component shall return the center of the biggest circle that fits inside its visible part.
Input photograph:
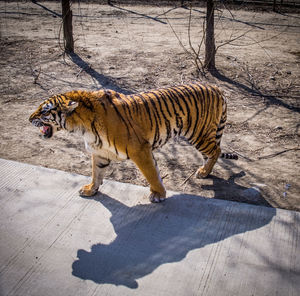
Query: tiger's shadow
(229, 189)
(150, 235)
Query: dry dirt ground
(134, 48)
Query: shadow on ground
(150, 235)
(270, 99)
(102, 80)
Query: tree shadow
(104, 81)
(138, 14)
(54, 14)
(271, 100)
(150, 235)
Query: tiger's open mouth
(46, 131)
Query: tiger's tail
(229, 156)
(220, 129)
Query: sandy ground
(133, 48)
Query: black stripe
(117, 111)
(117, 152)
(220, 128)
(206, 107)
(170, 99)
(125, 104)
(157, 132)
(183, 98)
(126, 107)
(206, 145)
(158, 98)
(190, 95)
(223, 120)
(173, 95)
(98, 141)
(145, 103)
(104, 107)
(178, 92)
(102, 165)
(197, 111)
(156, 113)
(229, 156)
(126, 150)
(133, 100)
(179, 124)
(166, 95)
(165, 100)
(167, 122)
(59, 114)
(59, 99)
(210, 109)
(202, 101)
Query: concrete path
(53, 242)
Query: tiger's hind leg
(145, 162)
(212, 158)
(209, 144)
(205, 158)
(210, 150)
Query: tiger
(116, 126)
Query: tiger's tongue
(45, 129)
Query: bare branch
(193, 54)
(259, 41)
(177, 37)
(189, 177)
(197, 59)
(278, 153)
(234, 39)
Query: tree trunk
(67, 26)
(210, 49)
(274, 5)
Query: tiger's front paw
(202, 173)
(88, 190)
(155, 197)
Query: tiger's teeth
(44, 129)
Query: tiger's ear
(69, 106)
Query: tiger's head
(51, 115)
